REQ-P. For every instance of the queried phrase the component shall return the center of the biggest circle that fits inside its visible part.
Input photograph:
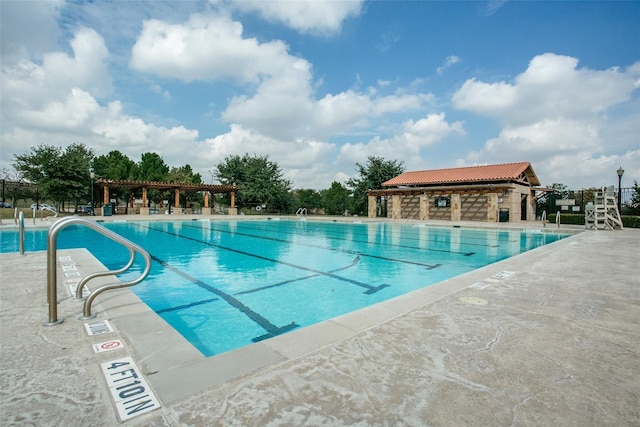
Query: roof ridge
(469, 167)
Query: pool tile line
(342, 250)
(369, 289)
(271, 329)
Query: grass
(8, 213)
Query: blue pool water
(226, 284)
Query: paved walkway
(550, 337)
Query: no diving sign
(107, 346)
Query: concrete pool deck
(549, 337)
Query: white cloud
(208, 47)
(448, 62)
(29, 85)
(407, 145)
(555, 116)
(552, 86)
(307, 16)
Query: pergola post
(144, 209)
(232, 209)
(176, 205)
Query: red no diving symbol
(110, 344)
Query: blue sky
(319, 86)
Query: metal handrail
(558, 219)
(52, 278)
(21, 231)
(301, 211)
(543, 218)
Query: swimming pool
(227, 284)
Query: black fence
(575, 201)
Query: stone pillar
(233, 200)
(372, 208)
(176, 198)
(105, 197)
(424, 207)
(456, 207)
(396, 207)
(144, 197)
(206, 199)
(492, 207)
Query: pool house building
(490, 193)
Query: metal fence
(576, 200)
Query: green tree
(184, 175)
(152, 168)
(336, 199)
(306, 198)
(60, 175)
(75, 179)
(115, 165)
(370, 177)
(261, 181)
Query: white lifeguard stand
(604, 213)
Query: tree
(59, 175)
(115, 165)
(261, 181)
(74, 178)
(306, 198)
(370, 177)
(336, 199)
(152, 168)
(184, 175)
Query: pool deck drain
(558, 343)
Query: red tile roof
(507, 172)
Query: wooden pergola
(108, 184)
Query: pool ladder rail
(52, 278)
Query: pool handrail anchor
(52, 284)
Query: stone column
(105, 197)
(372, 209)
(424, 207)
(396, 207)
(492, 207)
(456, 207)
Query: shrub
(629, 221)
